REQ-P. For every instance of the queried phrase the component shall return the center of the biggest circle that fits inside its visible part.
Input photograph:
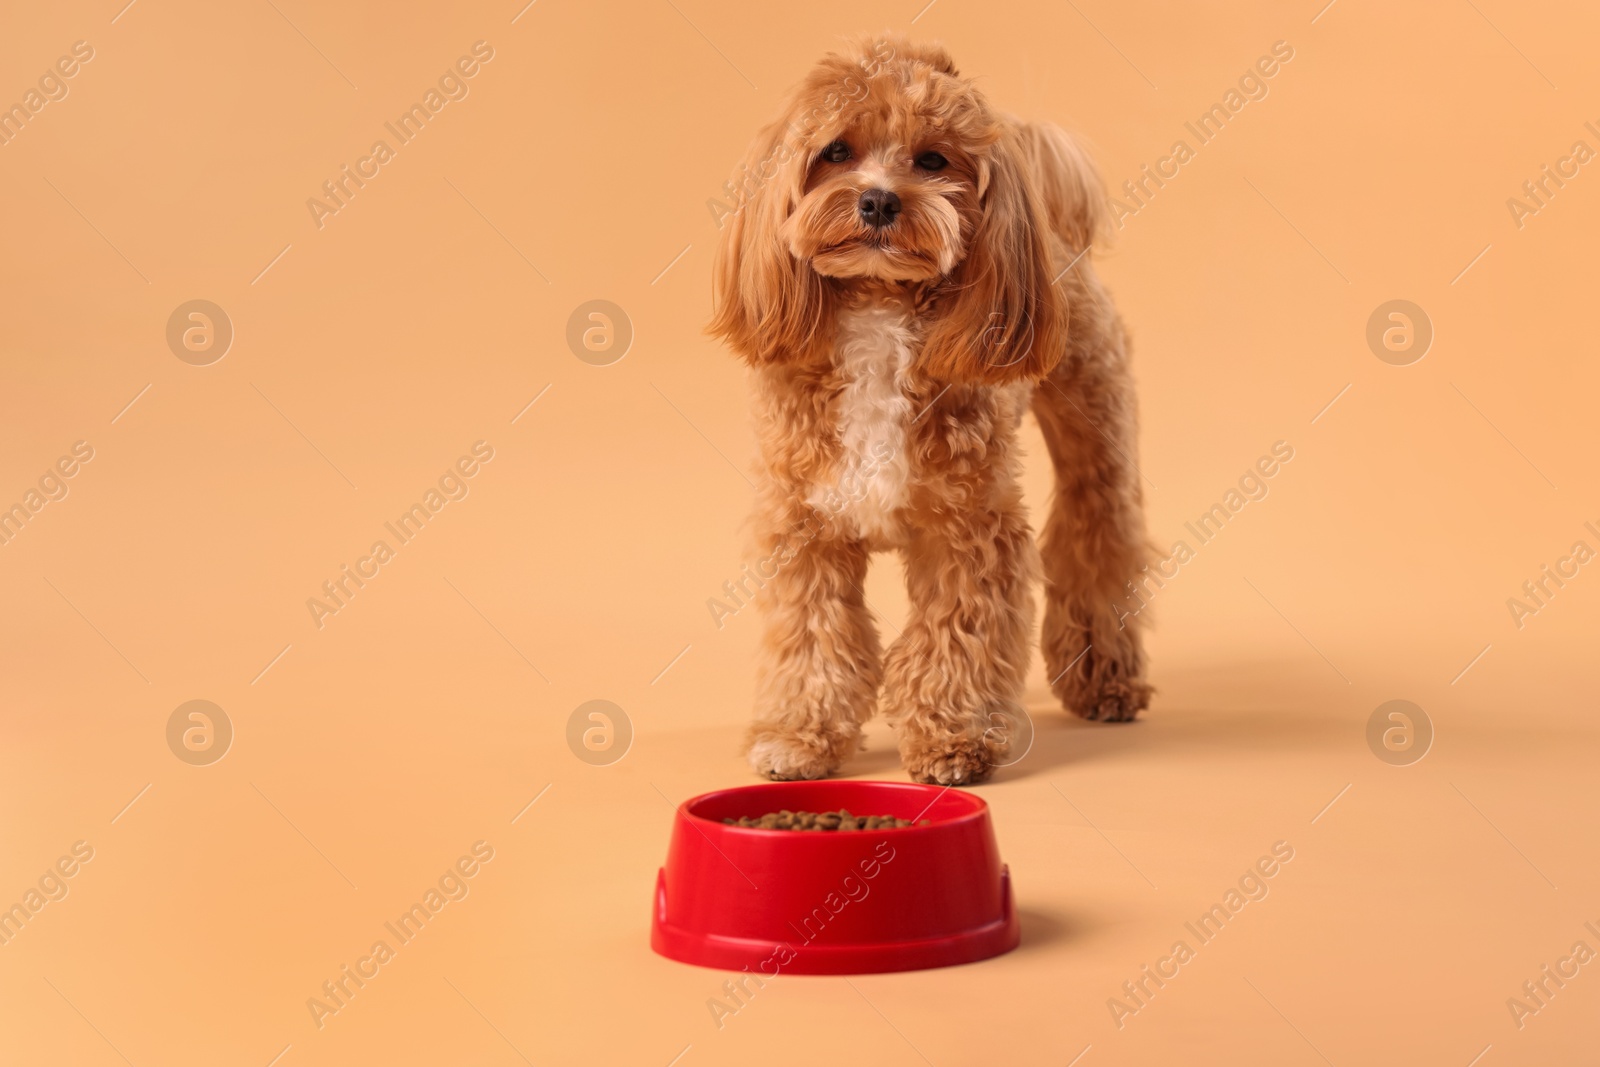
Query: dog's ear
(766, 304)
(1001, 319)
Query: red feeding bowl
(834, 901)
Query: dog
(906, 272)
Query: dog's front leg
(954, 678)
(817, 679)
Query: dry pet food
(826, 820)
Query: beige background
(427, 714)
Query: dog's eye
(931, 161)
(837, 152)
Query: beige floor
(374, 747)
(215, 907)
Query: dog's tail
(1066, 182)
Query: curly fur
(892, 368)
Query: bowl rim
(980, 811)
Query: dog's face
(889, 167)
(890, 192)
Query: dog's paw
(785, 757)
(1116, 700)
(948, 760)
(1101, 685)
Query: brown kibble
(812, 821)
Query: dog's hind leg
(1093, 545)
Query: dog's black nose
(879, 207)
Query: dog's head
(889, 167)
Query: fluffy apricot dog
(907, 271)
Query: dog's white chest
(874, 355)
